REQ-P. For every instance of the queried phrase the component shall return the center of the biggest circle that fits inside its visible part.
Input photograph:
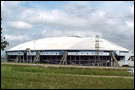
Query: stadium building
(72, 50)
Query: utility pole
(34, 44)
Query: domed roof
(68, 43)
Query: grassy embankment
(32, 77)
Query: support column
(89, 60)
(111, 61)
(99, 61)
(75, 59)
(27, 58)
(79, 59)
(95, 60)
(106, 63)
(84, 60)
(23, 58)
(70, 59)
(51, 59)
(30, 59)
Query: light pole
(34, 44)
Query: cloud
(130, 24)
(20, 25)
(67, 17)
(44, 32)
(11, 9)
(80, 20)
(19, 37)
(68, 33)
(112, 6)
(11, 4)
(131, 9)
(113, 21)
(80, 2)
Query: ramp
(114, 58)
(16, 60)
(36, 59)
(64, 58)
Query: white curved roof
(67, 43)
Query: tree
(3, 42)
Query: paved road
(54, 65)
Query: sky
(24, 21)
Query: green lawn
(32, 77)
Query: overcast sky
(24, 21)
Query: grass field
(33, 77)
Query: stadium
(92, 51)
